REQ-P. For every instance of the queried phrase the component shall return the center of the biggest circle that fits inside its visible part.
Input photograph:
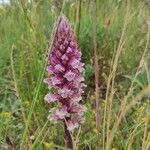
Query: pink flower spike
(65, 69)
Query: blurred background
(122, 37)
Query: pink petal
(69, 76)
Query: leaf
(135, 80)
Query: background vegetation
(123, 30)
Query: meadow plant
(65, 80)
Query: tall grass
(122, 39)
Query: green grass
(123, 29)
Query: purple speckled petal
(55, 80)
(65, 92)
(58, 114)
(59, 68)
(70, 75)
(51, 97)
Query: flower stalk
(65, 80)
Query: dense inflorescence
(65, 80)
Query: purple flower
(65, 70)
(58, 114)
(51, 97)
(69, 75)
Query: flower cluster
(65, 69)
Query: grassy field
(123, 50)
